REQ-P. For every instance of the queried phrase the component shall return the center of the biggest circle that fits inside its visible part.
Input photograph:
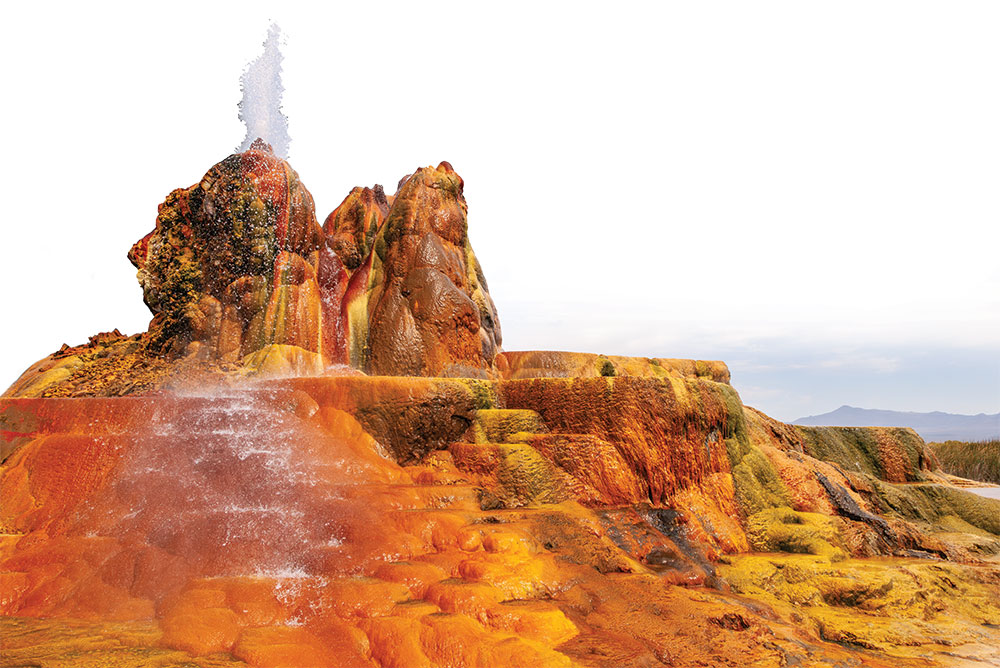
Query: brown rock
(430, 309)
(351, 228)
(231, 262)
(514, 365)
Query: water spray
(260, 108)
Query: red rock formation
(428, 309)
(231, 264)
(238, 262)
(267, 526)
(351, 228)
(349, 233)
(671, 434)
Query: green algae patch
(736, 423)
(935, 504)
(484, 393)
(511, 475)
(496, 425)
(896, 454)
(757, 484)
(890, 605)
(786, 530)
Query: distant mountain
(936, 426)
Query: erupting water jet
(260, 108)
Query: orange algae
(94, 566)
(402, 566)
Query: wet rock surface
(431, 313)
(270, 526)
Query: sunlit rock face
(351, 228)
(238, 262)
(231, 264)
(349, 234)
(390, 521)
(430, 312)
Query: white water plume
(260, 108)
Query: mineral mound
(319, 455)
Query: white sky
(801, 189)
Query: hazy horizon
(804, 192)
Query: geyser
(260, 108)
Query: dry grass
(978, 460)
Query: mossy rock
(499, 425)
(881, 604)
(933, 504)
(786, 530)
(484, 393)
(889, 453)
(758, 486)
(512, 475)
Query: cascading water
(225, 476)
(232, 484)
(271, 510)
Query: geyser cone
(230, 266)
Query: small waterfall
(227, 482)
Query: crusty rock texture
(231, 265)
(319, 456)
(430, 309)
(238, 264)
(392, 521)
